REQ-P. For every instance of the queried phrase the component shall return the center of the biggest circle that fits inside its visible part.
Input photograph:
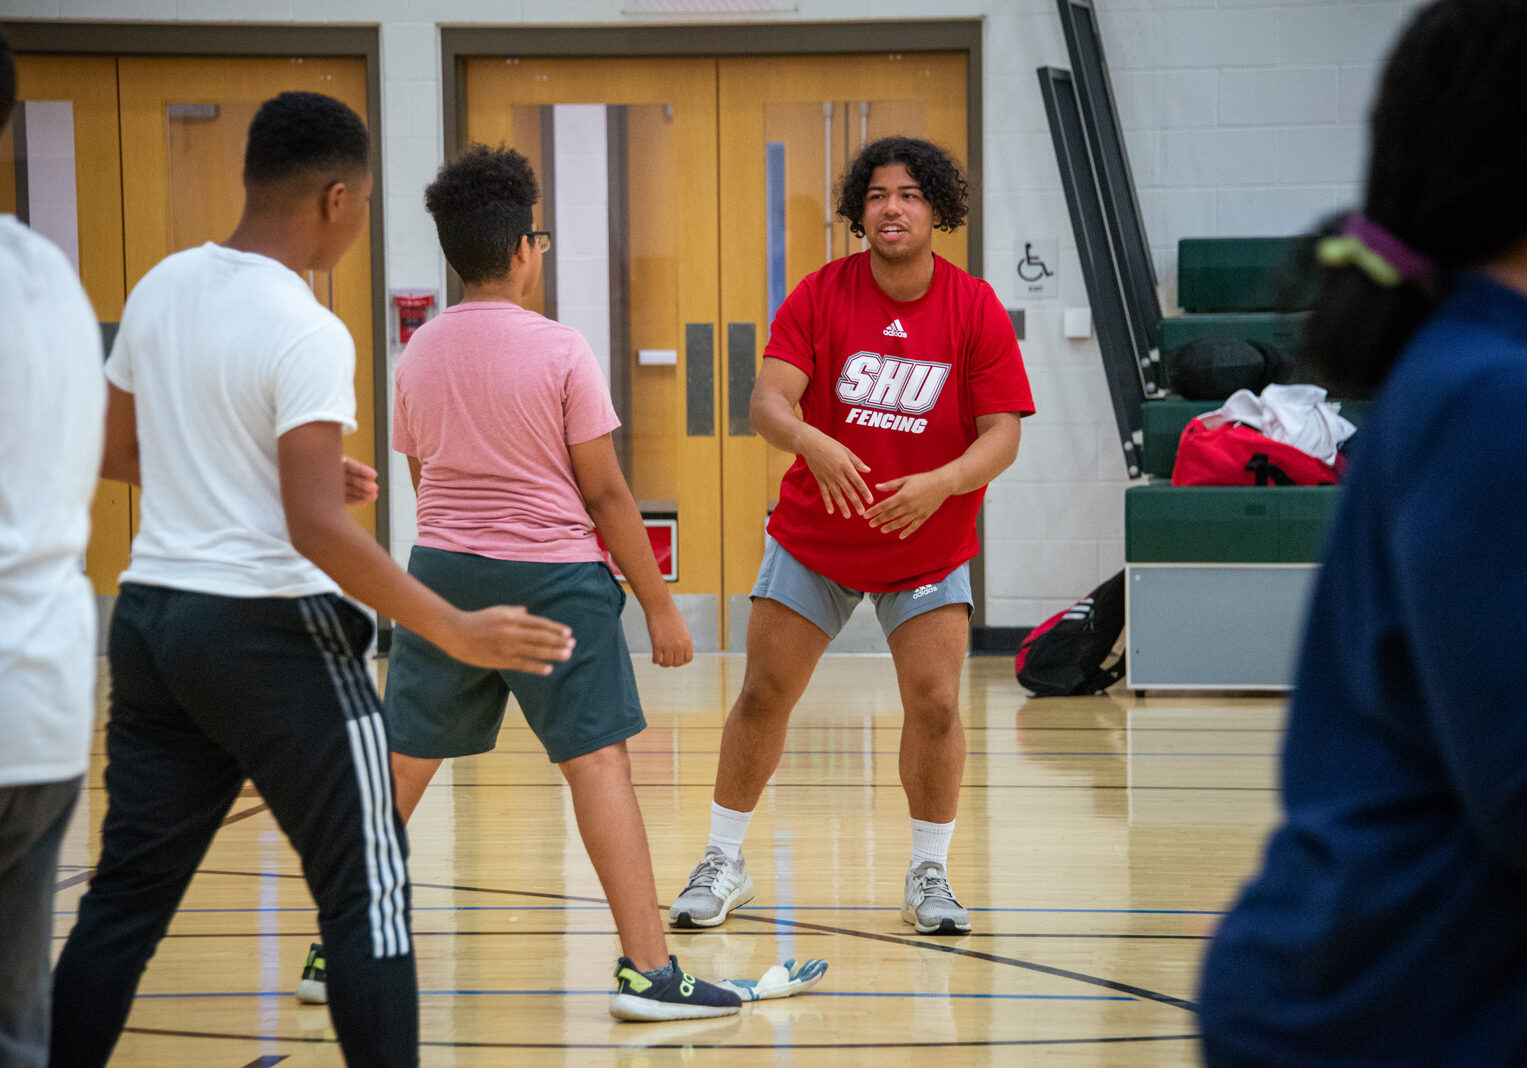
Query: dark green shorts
(436, 706)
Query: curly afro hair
(481, 205)
(934, 169)
(303, 133)
(1445, 177)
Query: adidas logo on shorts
(923, 591)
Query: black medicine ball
(1212, 368)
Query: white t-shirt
(224, 352)
(52, 418)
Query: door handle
(741, 350)
(700, 379)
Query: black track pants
(208, 691)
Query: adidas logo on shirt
(894, 330)
(923, 591)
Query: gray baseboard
(700, 615)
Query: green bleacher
(1218, 575)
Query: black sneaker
(314, 987)
(669, 993)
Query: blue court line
(283, 994)
(750, 908)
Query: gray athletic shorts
(783, 578)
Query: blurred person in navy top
(1388, 924)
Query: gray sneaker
(716, 887)
(930, 905)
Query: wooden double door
(122, 161)
(687, 196)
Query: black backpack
(1068, 655)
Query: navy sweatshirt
(1389, 922)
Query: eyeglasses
(541, 239)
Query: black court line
(253, 810)
(425, 886)
(992, 1043)
(959, 951)
(73, 880)
(1044, 969)
(802, 925)
(591, 933)
(86, 873)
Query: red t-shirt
(900, 383)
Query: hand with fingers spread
(837, 471)
(671, 643)
(509, 638)
(360, 482)
(912, 500)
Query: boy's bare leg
(783, 649)
(410, 776)
(610, 822)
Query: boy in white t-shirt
(52, 399)
(232, 653)
(506, 419)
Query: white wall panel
(1344, 34)
(1323, 154)
(1279, 97)
(1217, 157)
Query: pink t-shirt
(489, 397)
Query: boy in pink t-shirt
(505, 420)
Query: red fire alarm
(412, 308)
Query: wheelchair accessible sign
(1037, 270)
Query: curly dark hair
(1445, 176)
(933, 168)
(481, 204)
(302, 133)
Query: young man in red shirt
(911, 389)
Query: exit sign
(664, 536)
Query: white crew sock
(930, 841)
(727, 828)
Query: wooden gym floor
(1099, 840)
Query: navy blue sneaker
(669, 993)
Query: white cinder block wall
(1242, 117)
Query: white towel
(1296, 415)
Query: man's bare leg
(783, 650)
(929, 654)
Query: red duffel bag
(1237, 455)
